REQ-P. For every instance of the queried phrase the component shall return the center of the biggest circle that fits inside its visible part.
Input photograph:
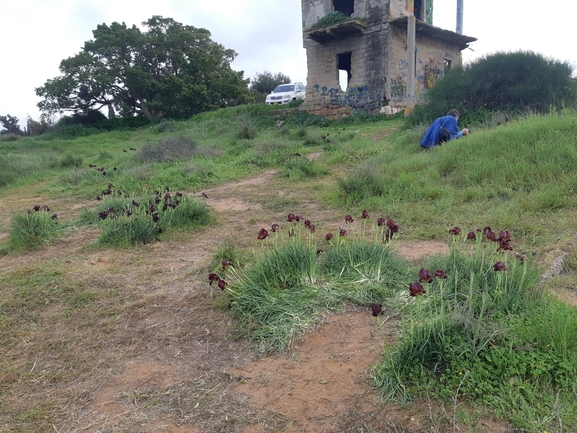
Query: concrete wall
(430, 64)
(366, 88)
(404, 8)
(378, 57)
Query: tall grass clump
(299, 168)
(125, 222)
(277, 299)
(31, 230)
(364, 182)
(291, 281)
(478, 329)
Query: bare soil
(168, 359)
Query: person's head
(453, 113)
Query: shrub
(71, 161)
(167, 149)
(515, 82)
(246, 132)
(165, 126)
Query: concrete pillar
(459, 29)
(411, 35)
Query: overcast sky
(37, 34)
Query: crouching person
(443, 129)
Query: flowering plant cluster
(387, 227)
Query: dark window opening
(344, 67)
(346, 7)
(447, 64)
(419, 10)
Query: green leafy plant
(329, 19)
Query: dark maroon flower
(504, 246)
(486, 229)
(499, 266)
(155, 217)
(440, 274)
(312, 228)
(391, 225)
(365, 214)
(103, 215)
(381, 222)
(297, 218)
(212, 278)
(291, 217)
(262, 234)
(348, 219)
(307, 223)
(226, 263)
(455, 231)
(377, 309)
(490, 235)
(416, 289)
(54, 216)
(425, 276)
(274, 228)
(328, 236)
(504, 235)
(135, 203)
(342, 233)
(222, 284)
(471, 236)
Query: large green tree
(168, 70)
(10, 125)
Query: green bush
(167, 149)
(71, 161)
(514, 82)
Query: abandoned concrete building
(387, 54)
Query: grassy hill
(106, 237)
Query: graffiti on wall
(360, 97)
(427, 74)
(399, 87)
